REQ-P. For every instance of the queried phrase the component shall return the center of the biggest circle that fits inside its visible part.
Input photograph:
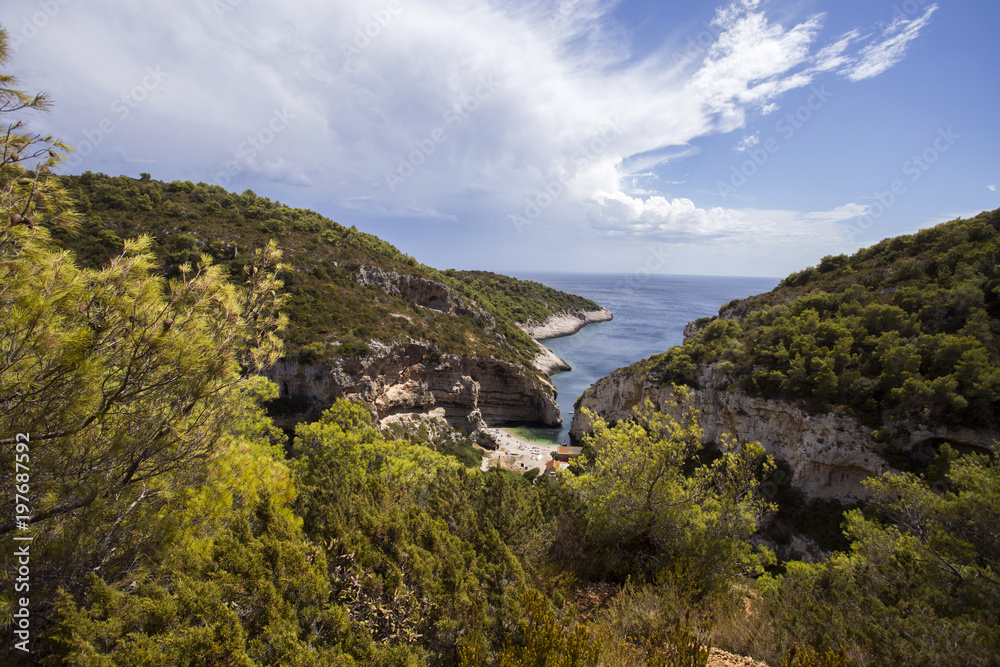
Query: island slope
(847, 369)
(366, 321)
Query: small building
(566, 453)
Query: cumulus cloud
(394, 108)
(680, 220)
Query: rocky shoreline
(405, 380)
(557, 325)
(549, 362)
(565, 323)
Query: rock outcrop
(829, 454)
(549, 362)
(422, 292)
(565, 323)
(409, 379)
(406, 380)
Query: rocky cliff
(409, 379)
(829, 454)
(565, 323)
(422, 292)
(414, 378)
(549, 362)
(557, 325)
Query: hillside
(900, 337)
(539, 311)
(329, 302)
(904, 329)
(361, 313)
(856, 367)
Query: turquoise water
(535, 435)
(650, 315)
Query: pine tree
(131, 393)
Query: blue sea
(650, 314)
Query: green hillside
(520, 300)
(330, 313)
(906, 329)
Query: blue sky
(738, 138)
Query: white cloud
(839, 214)
(680, 220)
(514, 97)
(834, 56)
(747, 142)
(751, 63)
(991, 188)
(876, 58)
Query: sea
(650, 312)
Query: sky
(749, 137)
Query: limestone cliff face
(565, 323)
(549, 362)
(557, 325)
(829, 454)
(408, 379)
(422, 292)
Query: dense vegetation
(330, 313)
(521, 301)
(170, 526)
(904, 331)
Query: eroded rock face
(403, 379)
(565, 323)
(549, 362)
(407, 379)
(829, 454)
(422, 292)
